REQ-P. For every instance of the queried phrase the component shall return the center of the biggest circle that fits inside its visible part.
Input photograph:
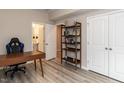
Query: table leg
(35, 64)
(41, 67)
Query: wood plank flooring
(54, 73)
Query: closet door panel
(97, 44)
(116, 43)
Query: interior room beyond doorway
(38, 37)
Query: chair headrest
(14, 40)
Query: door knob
(46, 44)
(110, 48)
(106, 48)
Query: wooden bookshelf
(71, 43)
(71, 49)
(69, 59)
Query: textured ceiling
(63, 13)
(57, 14)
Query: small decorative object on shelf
(73, 32)
(66, 33)
(78, 32)
(71, 44)
(71, 40)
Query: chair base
(14, 70)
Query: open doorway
(44, 39)
(38, 39)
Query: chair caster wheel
(24, 67)
(6, 74)
(12, 77)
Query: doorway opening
(44, 39)
(38, 38)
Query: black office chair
(15, 46)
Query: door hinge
(88, 23)
(88, 43)
(88, 62)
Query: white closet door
(97, 44)
(116, 42)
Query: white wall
(82, 18)
(18, 23)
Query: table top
(20, 57)
(21, 54)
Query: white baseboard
(85, 68)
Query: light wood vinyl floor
(54, 73)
